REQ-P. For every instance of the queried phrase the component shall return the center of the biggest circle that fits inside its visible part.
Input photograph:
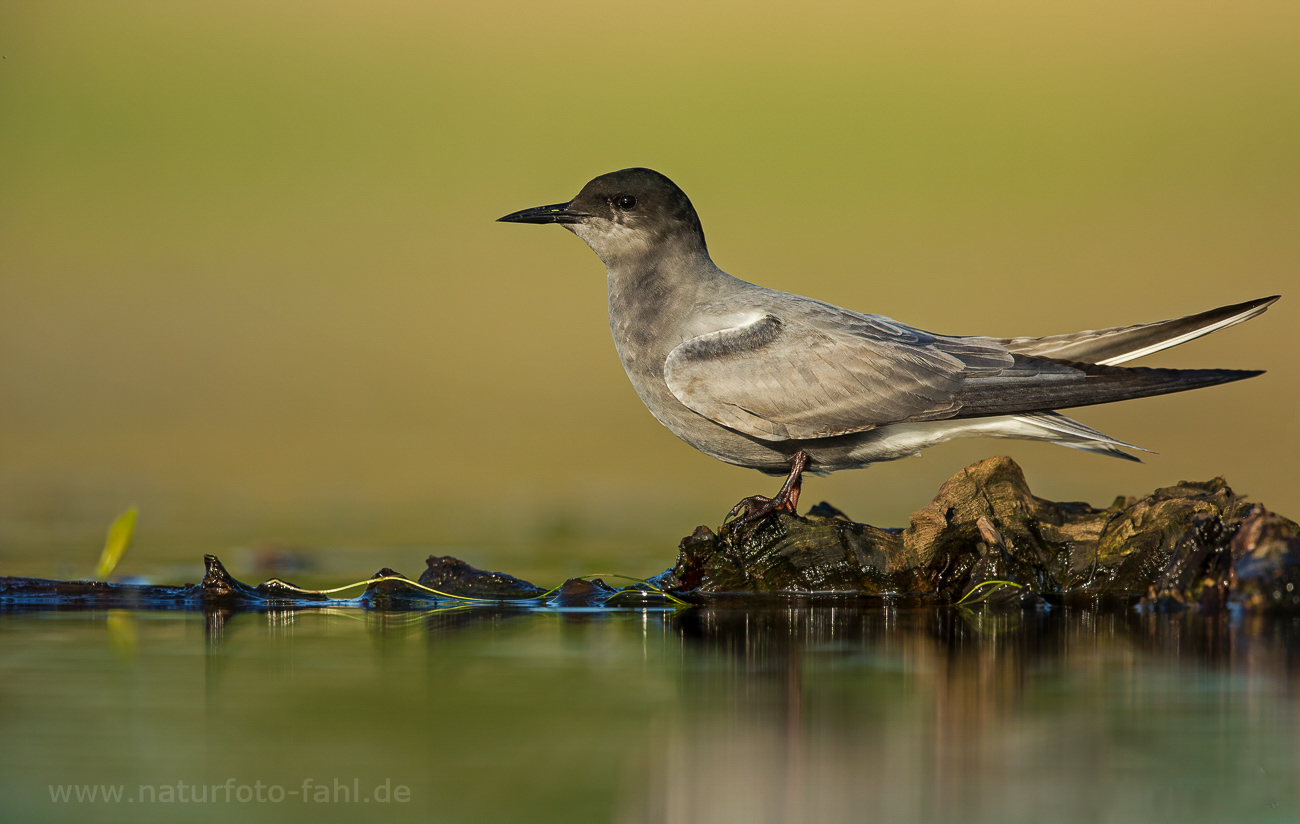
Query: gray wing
(827, 372)
(830, 374)
(1125, 343)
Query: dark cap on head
(642, 198)
(638, 199)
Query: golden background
(250, 278)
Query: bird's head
(626, 216)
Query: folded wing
(824, 372)
(1125, 343)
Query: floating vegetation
(984, 539)
(385, 589)
(966, 599)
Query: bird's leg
(757, 506)
(788, 497)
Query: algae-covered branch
(986, 534)
(985, 537)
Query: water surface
(786, 713)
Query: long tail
(1044, 384)
(1108, 347)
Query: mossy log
(985, 537)
(1190, 544)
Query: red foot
(757, 507)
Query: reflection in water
(839, 714)
(735, 712)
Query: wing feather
(823, 375)
(1121, 344)
(819, 372)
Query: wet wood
(985, 537)
(1194, 544)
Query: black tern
(783, 383)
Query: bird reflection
(838, 713)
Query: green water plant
(966, 599)
(640, 584)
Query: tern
(786, 384)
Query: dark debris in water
(984, 539)
(1196, 544)
(457, 584)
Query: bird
(786, 384)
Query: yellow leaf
(116, 544)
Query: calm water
(790, 713)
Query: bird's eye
(625, 202)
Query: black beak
(559, 213)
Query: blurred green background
(250, 278)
